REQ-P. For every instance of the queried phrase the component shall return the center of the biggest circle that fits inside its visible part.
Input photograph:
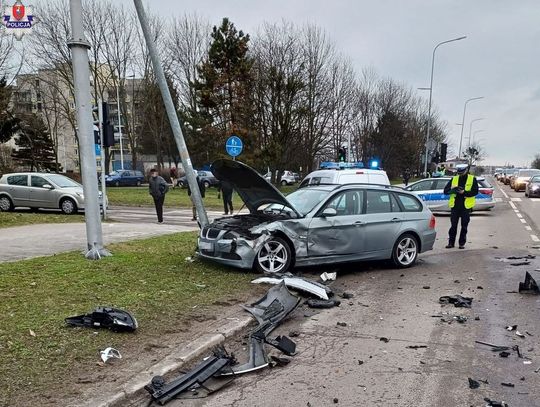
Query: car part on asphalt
(298, 283)
(269, 311)
(473, 384)
(115, 319)
(521, 263)
(458, 301)
(528, 256)
(110, 353)
(284, 344)
(279, 361)
(416, 346)
(529, 286)
(493, 403)
(328, 276)
(191, 382)
(508, 384)
(315, 303)
(504, 354)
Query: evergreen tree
(8, 123)
(223, 95)
(34, 145)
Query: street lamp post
(463, 121)
(470, 128)
(473, 135)
(119, 124)
(430, 95)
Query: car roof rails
(373, 185)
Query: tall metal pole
(470, 128)
(171, 113)
(430, 95)
(463, 122)
(119, 124)
(103, 183)
(81, 75)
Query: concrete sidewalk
(24, 242)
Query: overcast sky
(499, 59)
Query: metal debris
(529, 286)
(110, 353)
(458, 301)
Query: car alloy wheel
(117, 184)
(206, 184)
(5, 204)
(274, 256)
(138, 183)
(68, 206)
(405, 251)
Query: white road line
(535, 199)
(513, 205)
(528, 228)
(535, 238)
(523, 221)
(516, 211)
(519, 215)
(516, 199)
(504, 193)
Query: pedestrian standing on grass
(227, 193)
(202, 189)
(462, 189)
(406, 176)
(157, 187)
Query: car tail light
(486, 191)
(432, 222)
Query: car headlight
(535, 187)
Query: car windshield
(305, 199)
(63, 182)
(535, 179)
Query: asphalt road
(351, 366)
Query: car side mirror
(328, 213)
(408, 189)
(47, 186)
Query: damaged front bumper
(227, 248)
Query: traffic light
(108, 128)
(342, 154)
(444, 148)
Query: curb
(174, 361)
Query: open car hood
(253, 189)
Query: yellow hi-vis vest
(469, 201)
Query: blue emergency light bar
(332, 165)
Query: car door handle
(358, 223)
(396, 219)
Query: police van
(345, 173)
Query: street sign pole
(101, 133)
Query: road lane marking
(528, 228)
(535, 199)
(504, 193)
(523, 220)
(516, 199)
(513, 205)
(516, 211)
(519, 215)
(535, 238)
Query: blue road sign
(234, 146)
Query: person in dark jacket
(462, 189)
(157, 187)
(226, 194)
(202, 189)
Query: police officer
(462, 189)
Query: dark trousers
(455, 215)
(158, 202)
(227, 202)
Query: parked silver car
(324, 224)
(41, 190)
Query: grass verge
(149, 278)
(8, 219)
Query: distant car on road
(41, 190)
(345, 176)
(431, 191)
(124, 178)
(315, 225)
(287, 178)
(206, 177)
(521, 180)
(533, 187)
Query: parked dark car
(124, 178)
(315, 225)
(206, 177)
(533, 187)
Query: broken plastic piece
(504, 354)
(109, 353)
(458, 301)
(529, 286)
(511, 327)
(279, 361)
(283, 344)
(493, 403)
(298, 283)
(473, 384)
(104, 317)
(416, 346)
(315, 303)
(328, 276)
(520, 334)
(508, 384)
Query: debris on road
(416, 346)
(521, 263)
(110, 353)
(528, 256)
(504, 354)
(341, 324)
(493, 403)
(298, 283)
(385, 340)
(511, 327)
(473, 384)
(458, 301)
(328, 276)
(316, 303)
(115, 319)
(508, 384)
(347, 296)
(279, 361)
(520, 334)
(529, 286)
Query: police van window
(409, 203)
(18, 180)
(421, 186)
